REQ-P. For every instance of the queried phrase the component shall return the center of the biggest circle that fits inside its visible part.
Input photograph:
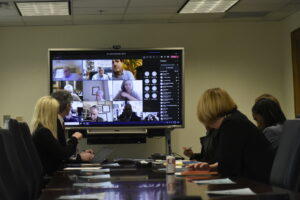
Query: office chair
(24, 156)
(3, 191)
(35, 159)
(285, 170)
(16, 184)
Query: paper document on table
(96, 185)
(111, 165)
(96, 170)
(243, 191)
(81, 168)
(102, 176)
(216, 181)
(98, 196)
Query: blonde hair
(213, 104)
(45, 114)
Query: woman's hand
(77, 135)
(204, 166)
(86, 156)
(124, 94)
(199, 166)
(188, 152)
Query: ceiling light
(207, 6)
(43, 8)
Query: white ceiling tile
(96, 11)
(99, 3)
(11, 21)
(152, 10)
(94, 19)
(153, 3)
(8, 10)
(193, 20)
(255, 7)
(146, 17)
(256, 2)
(97, 18)
(47, 20)
(145, 21)
(198, 16)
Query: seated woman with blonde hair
(44, 127)
(241, 151)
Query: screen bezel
(129, 49)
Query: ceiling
(148, 11)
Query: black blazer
(209, 144)
(61, 134)
(51, 152)
(242, 150)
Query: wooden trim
(295, 39)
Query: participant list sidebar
(170, 110)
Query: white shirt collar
(61, 119)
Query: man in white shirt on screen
(100, 76)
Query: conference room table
(129, 182)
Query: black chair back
(34, 157)
(286, 166)
(11, 172)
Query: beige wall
(246, 59)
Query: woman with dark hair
(127, 93)
(269, 118)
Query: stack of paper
(101, 176)
(216, 181)
(96, 170)
(98, 196)
(81, 168)
(106, 185)
(243, 191)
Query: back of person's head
(64, 98)
(267, 96)
(69, 88)
(94, 107)
(45, 114)
(213, 104)
(127, 108)
(269, 111)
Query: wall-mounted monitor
(121, 88)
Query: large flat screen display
(120, 88)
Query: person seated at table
(44, 126)
(127, 92)
(128, 114)
(70, 89)
(94, 111)
(99, 95)
(118, 71)
(242, 151)
(209, 144)
(151, 118)
(269, 118)
(69, 76)
(65, 99)
(100, 76)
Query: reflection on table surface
(148, 184)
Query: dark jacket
(51, 152)
(62, 140)
(129, 117)
(209, 145)
(242, 150)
